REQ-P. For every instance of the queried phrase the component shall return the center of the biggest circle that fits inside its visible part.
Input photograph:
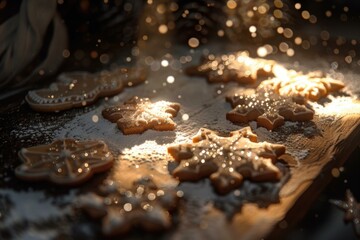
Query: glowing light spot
(231, 4)
(229, 23)
(185, 117)
(95, 118)
(298, 40)
(163, 29)
(170, 79)
(180, 193)
(261, 52)
(278, 4)
(161, 8)
(297, 6)
(164, 63)
(348, 59)
(335, 172)
(151, 196)
(283, 47)
(127, 207)
(252, 29)
(193, 42)
(262, 9)
(290, 52)
(278, 13)
(288, 33)
(79, 170)
(250, 14)
(305, 14)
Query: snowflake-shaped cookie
(268, 108)
(78, 89)
(352, 210)
(227, 161)
(312, 86)
(137, 115)
(65, 162)
(145, 206)
(237, 67)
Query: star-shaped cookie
(64, 162)
(237, 67)
(145, 206)
(137, 115)
(79, 89)
(352, 210)
(311, 86)
(266, 107)
(227, 161)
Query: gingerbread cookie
(312, 86)
(227, 161)
(268, 108)
(237, 67)
(145, 206)
(64, 162)
(78, 89)
(136, 115)
(352, 210)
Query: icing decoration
(79, 89)
(136, 115)
(268, 108)
(312, 86)
(64, 162)
(237, 67)
(227, 161)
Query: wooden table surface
(315, 151)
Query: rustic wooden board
(314, 149)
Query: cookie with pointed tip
(79, 89)
(311, 86)
(238, 67)
(352, 210)
(227, 161)
(269, 109)
(64, 162)
(137, 115)
(144, 206)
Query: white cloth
(22, 38)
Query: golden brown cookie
(145, 206)
(237, 67)
(352, 210)
(79, 89)
(311, 86)
(267, 108)
(227, 161)
(137, 115)
(64, 162)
